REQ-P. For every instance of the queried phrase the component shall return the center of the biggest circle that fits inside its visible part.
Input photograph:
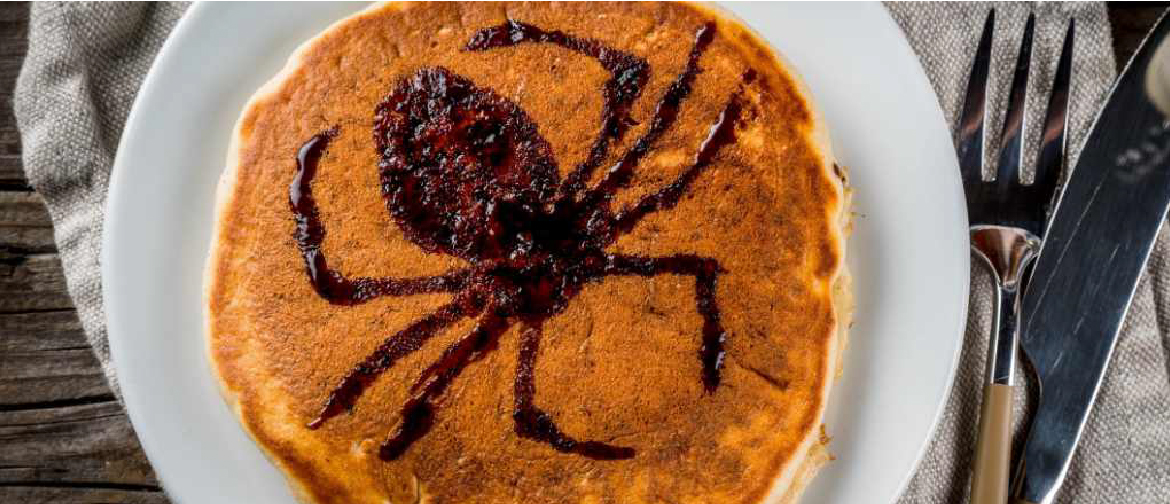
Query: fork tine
(969, 134)
(1050, 162)
(1012, 139)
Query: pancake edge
(793, 476)
(813, 454)
(225, 194)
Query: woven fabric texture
(1125, 452)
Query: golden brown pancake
(411, 300)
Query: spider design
(464, 172)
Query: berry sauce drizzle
(628, 74)
(465, 172)
(310, 234)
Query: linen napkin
(1124, 455)
(86, 62)
(84, 66)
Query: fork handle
(1007, 252)
(989, 483)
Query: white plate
(909, 250)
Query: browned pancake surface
(620, 364)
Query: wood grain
(64, 439)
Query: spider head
(463, 170)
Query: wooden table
(63, 437)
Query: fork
(1008, 219)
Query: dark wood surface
(64, 439)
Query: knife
(1100, 237)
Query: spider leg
(665, 115)
(533, 423)
(401, 344)
(706, 272)
(628, 74)
(418, 414)
(310, 234)
(721, 134)
(340, 290)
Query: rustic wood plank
(23, 210)
(44, 359)
(25, 226)
(13, 45)
(87, 442)
(26, 240)
(65, 439)
(32, 283)
(11, 176)
(67, 375)
(30, 273)
(40, 332)
(86, 493)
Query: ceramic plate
(908, 251)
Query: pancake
(491, 252)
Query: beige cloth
(84, 65)
(86, 62)
(1125, 453)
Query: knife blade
(1098, 242)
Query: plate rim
(965, 311)
(115, 201)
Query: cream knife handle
(989, 482)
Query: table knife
(1100, 237)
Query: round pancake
(620, 364)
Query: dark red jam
(465, 172)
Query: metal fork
(1008, 220)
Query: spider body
(465, 172)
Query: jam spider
(465, 173)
